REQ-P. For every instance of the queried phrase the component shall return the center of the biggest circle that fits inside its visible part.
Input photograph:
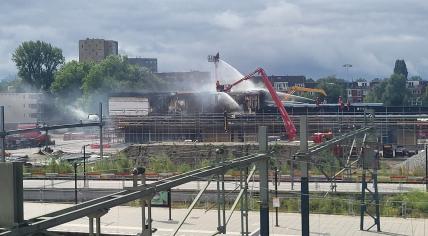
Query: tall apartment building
(150, 63)
(96, 49)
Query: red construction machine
(28, 139)
(288, 123)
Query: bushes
(415, 204)
(58, 166)
(114, 165)
(161, 164)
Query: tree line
(42, 66)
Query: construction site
(233, 157)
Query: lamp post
(75, 182)
(276, 195)
(426, 168)
(84, 166)
(347, 66)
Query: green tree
(115, 74)
(37, 63)
(68, 81)
(334, 88)
(400, 68)
(375, 94)
(396, 93)
(416, 77)
(391, 92)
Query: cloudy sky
(306, 37)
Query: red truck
(321, 137)
(28, 139)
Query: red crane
(288, 123)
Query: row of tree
(41, 66)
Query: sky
(314, 38)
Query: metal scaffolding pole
(263, 167)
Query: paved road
(283, 186)
(127, 220)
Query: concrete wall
(11, 195)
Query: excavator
(288, 123)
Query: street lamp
(347, 66)
(84, 166)
(75, 182)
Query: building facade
(148, 63)
(417, 89)
(21, 108)
(96, 50)
(357, 91)
(283, 83)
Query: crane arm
(294, 89)
(288, 123)
(303, 89)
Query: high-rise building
(150, 63)
(96, 49)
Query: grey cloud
(307, 37)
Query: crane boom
(294, 89)
(288, 123)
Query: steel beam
(241, 192)
(84, 209)
(318, 148)
(52, 127)
(189, 210)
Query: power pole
(304, 180)
(276, 196)
(75, 182)
(370, 164)
(263, 182)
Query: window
(34, 115)
(281, 86)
